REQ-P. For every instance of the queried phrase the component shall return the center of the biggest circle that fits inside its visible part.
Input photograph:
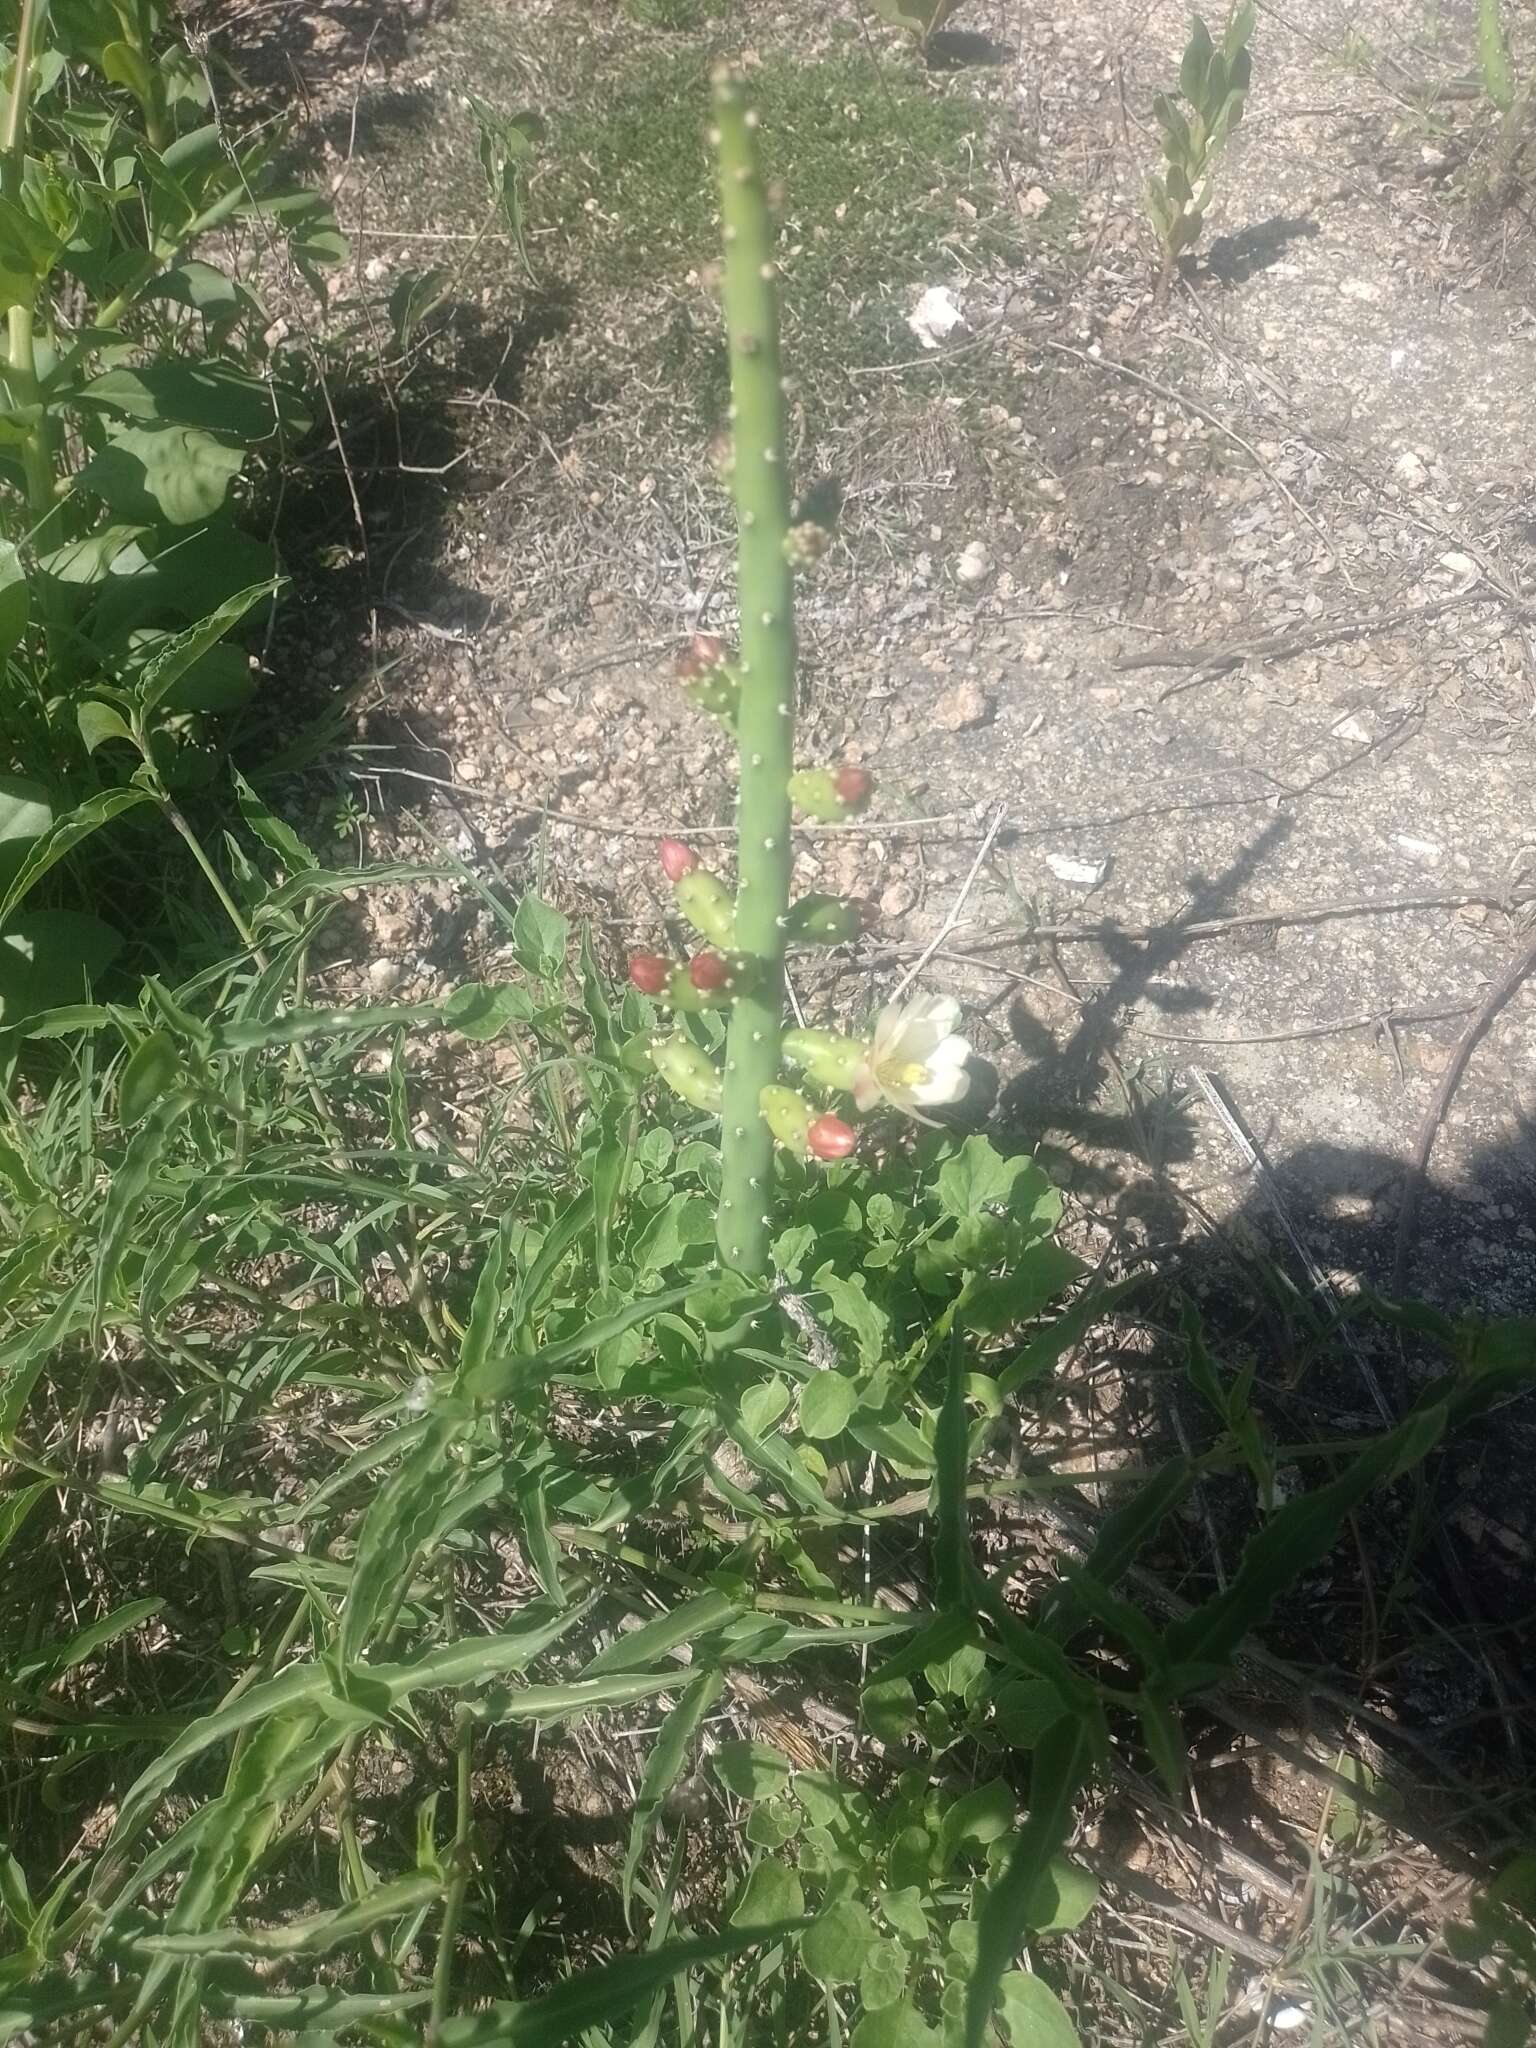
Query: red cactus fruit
(854, 786)
(649, 972)
(708, 971)
(704, 651)
(677, 859)
(830, 1138)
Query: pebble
(1410, 471)
(975, 563)
(897, 898)
(383, 975)
(963, 708)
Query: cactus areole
(765, 723)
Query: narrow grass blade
(395, 1529)
(314, 1934)
(1061, 1764)
(23, 1359)
(663, 1767)
(602, 1996)
(641, 1648)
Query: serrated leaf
(62, 836)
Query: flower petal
(925, 1026)
(865, 1089)
(944, 1084)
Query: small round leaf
(837, 1947)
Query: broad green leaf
(980, 1178)
(165, 670)
(540, 936)
(600, 1997)
(15, 609)
(482, 1010)
(152, 1070)
(1038, 1274)
(63, 835)
(752, 1770)
(98, 723)
(1063, 1897)
(848, 1303)
(49, 958)
(836, 1947)
(205, 392)
(884, 1976)
(772, 1894)
(826, 1402)
(899, 2025)
(14, 1509)
(984, 1814)
(1033, 2016)
(1061, 1763)
(1198, 52)
(177, 474)
(904, 1911)
(664, 1766)
(416, 294)
(26, 813)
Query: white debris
(1082, 874)
(936, 316)
(1424, 850)
(1352, 729)
(1285, 2019)
(1461, 566)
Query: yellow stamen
(902, 1073)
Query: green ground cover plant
(365, 1440)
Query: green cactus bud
(788, 1116)
(819, 920)
(805, 544)
(826, 1056)
(706, 903)
(635, 1054)
(831, 794)
(687, 1071)
(717, 691)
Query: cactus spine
(765, 721)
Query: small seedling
(1214, 85)
(921, 19)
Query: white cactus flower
(915, 1060)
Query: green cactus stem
(688, 1071)
(765, 722)
(706, 903)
